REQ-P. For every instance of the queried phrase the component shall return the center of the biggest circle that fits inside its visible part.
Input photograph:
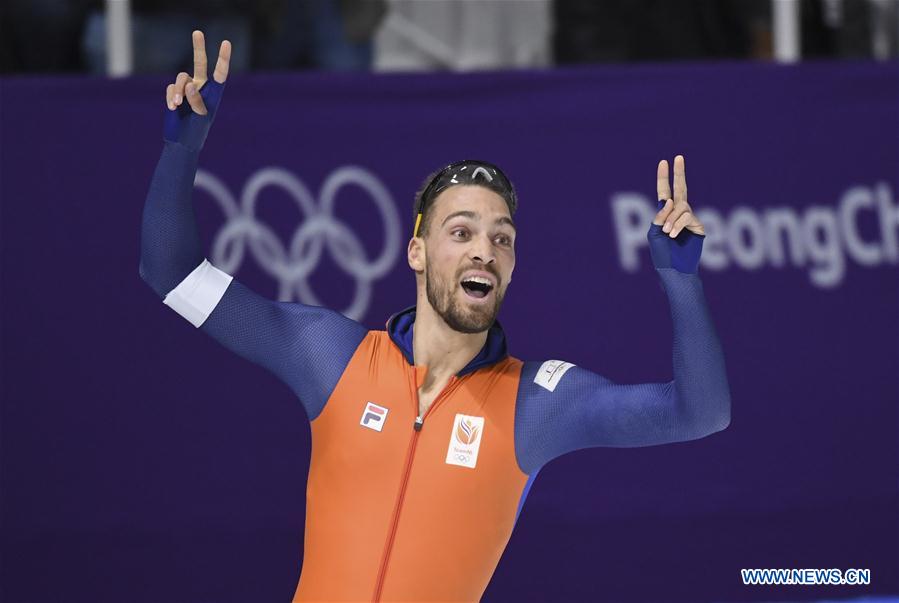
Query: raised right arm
(307, 347)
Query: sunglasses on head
(469, 171)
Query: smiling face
(469, 256)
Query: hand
(189, 123)
(676, 213)
(186, 86)
(681, 247)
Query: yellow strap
(417, 222)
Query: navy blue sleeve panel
(307, 347)
(576, 408)
(170, 245)
(681, 253)
(170, 242)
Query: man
(457, 426)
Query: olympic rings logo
(291, 267)
(462, 457)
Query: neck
(435, 345)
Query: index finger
(663, 189)
(199, 56)
(680, 179)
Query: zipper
(419, 423)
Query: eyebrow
(474, 215)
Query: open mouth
(476, 288)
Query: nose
(482, 250)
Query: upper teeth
(479, 279)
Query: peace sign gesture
(188, 124)
(677, 249)
(676, 213)
(190, 86)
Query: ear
(416, 254)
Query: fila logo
(465, 441)
(373, 416)
(550, 373)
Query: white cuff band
(199, 293)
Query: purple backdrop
(143, 462)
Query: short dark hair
(424, 197)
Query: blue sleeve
(561, 407)
(307, 347)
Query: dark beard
(473, 319)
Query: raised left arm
(562, 407)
